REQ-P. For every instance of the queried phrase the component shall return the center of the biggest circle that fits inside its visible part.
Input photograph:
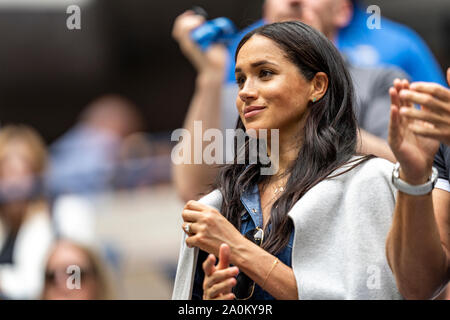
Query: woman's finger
(224, 256)
(192, 241)
(423, 115)
(220, 276)
(395, 131)
(395, 99)
(220, 288)
(189, 228)
(398, 84)
(228, 296)
(432, 89)
(208, 265)
(425, 100)
(195, 205)
(405, 86)
(191, 215)
(429, 132)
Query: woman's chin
(257, 131)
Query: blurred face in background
(326, 16)
(58, 285)
(23, 155)
(22, 160)
(114, 114)
(16, 163)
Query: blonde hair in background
(38, 162)
(31, 138)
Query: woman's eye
(240, 80)
(265, 73)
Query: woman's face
(273, 94)
(61, 281)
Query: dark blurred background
(48, 73)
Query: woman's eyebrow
(256, 64)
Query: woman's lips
(252, 110)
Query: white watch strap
(414, 190)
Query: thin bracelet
(271, 269)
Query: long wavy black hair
(328, 137)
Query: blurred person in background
(391, 44)
(84, 160)
(25, 227)
(213, 99)
(66, 258)
(144, 159)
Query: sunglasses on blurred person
(59, 277)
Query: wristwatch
(414, 190)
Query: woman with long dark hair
(316, 228)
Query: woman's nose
(248, 92)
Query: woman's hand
(219, 280)
(208, 229)
(414, 151)
(435, 102)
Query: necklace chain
(278, 189)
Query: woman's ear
(319, 86)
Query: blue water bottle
(219, 30)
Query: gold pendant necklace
(278, 189)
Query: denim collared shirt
(250, 219)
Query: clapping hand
(413, 149)
(219, 280)
(435, 109)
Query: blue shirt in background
(392, 45)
